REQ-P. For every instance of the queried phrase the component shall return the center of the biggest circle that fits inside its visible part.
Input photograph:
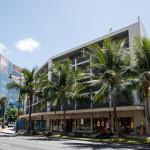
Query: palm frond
(100, 93)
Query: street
(15, 142)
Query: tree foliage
(27, 87)
(110, 66)
(62, 91)
(3, 102)
(11, 114)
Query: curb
(108, 142)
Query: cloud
(3, 49)
(28, 44)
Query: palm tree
(62, 90)
(109, 69)
(26, 87)
(3, 102)
(141, 54)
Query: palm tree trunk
(116, 118)
(64, 121)
(30, 111)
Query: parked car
(10, 124)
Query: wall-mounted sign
(99, 115)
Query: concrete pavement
(17, 142)
(11, 130)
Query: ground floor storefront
(130, 121)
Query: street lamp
(17, 126)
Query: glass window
(95, 125)
(84, 124)
(56, 124)
(126, 124)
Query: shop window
(101, 124)
(95, 124)
(126, 124)
(84, 124)
(56, 125)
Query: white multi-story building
(94, 117)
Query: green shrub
(47, 133)
(39, 133)
(34, 132)
(78, 134)
(1, 119)
(110, 133)
(64, 134)
(103, 135)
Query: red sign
(68, 117)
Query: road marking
(4, 144)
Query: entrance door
(101, 124)
(69, 124)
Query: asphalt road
(14, 142)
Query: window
(56, 125)
(126, 124)
(84, 124)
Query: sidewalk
(11, 130)
(138, 136)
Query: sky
(32, 31)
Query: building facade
(7, 69)
(97, 116)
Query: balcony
(123, 103)
(35, 101)
(34, 110)
(27, 111)
(53, 109)
(84, 106)
(87, 71)
(73, 62)
(126, 44)
(100, 105)
(70, 107)
(44, 110)
(82, 59)
(27, 103)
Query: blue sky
(31, 31)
